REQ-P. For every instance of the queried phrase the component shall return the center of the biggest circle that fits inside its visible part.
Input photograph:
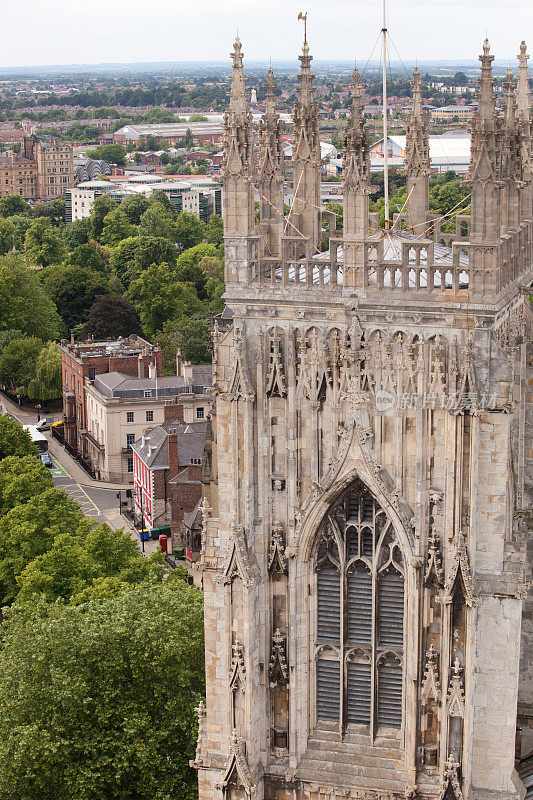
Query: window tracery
(359, 570)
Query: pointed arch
(360, 601)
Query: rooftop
(152, 448)
(133, 345)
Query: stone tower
(368, 629)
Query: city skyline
(419, 30)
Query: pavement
(97, 499)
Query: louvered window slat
(360, 606)
(328, 689)
(390, 610)
(390, 695)
(329, 607)
(358, 694)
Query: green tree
(74, 290)
(7, 236)
(14, 440)
(134, 206)
(44, 244)
(156, 222)
(159, 196)
(21, 478)
(55, 210)
(188, 266)
(151, 250)
(17, 363)
(29, 530)
(13, 204)
(85, 709)
(24, 304)
(191, 334)
(214, 232)
(116, 227)
(112, 316)
(77, 233)
(78, 562)
(158, 296)
(90, 256)
(114, 153)
(47, 383)
(122, 256)
(189, 140)
(21, 223)
(101, 208)
(188, 230)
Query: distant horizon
(225, 65)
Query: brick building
(55, 168)
(121, 408)
(42, 170)
(167, 468)
(82, 361)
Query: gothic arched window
(359, 615)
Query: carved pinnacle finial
(486, 82)
(523, 95)
(270, 85)
(237, 102)
(417, 93)
(509, 85)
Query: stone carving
(202, 735)
(278, 671)
(458, 566)
(238, 562)
(451, 780)
(277, 561)
(240, 386)
(430, 685)
(434, 572)
(237, 667)
(237, 771)
(456, 700)
(276, 385)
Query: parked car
(44, 424)
(46, 460)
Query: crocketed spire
(417, 160)
(510, 102)
(356, 156)
(306, 154)
(486, 83)
(523, 95)
(237, 98)
(270, 139)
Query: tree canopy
(111, 315)
(74, 289)
(14, 440)
(86, 708)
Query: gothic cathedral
(364, 557)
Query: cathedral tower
(364, 534)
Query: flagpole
(385, 131)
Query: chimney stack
(152, 371)
(173, 411)
(173, 461)
(140, 366)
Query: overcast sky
(92, 31)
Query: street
(97, 502)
